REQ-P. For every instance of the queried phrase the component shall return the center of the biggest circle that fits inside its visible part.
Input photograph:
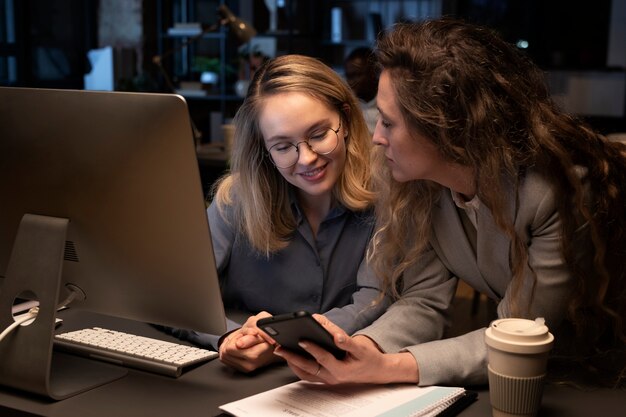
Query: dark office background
(57, 33)
(570, 34)
(44, 43)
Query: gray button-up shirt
(324, 274)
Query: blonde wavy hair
(254, 187)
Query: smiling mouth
(313, 172)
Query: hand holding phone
(289, 329)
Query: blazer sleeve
(422, 312)
(367, 302)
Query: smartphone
(288, 329)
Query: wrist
(402, 368)
(224, 336)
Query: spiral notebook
(305, 399)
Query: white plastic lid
(519, 335)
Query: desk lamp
(239, 28)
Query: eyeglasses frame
(297, 146)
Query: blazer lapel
(488, 269)
(494, 248)
(451, 243)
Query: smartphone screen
(288, 329)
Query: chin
(315, 190)
(399, 177)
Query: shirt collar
(473, 204)
(336, 211)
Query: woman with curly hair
(482, 178)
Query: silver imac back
(122, 168)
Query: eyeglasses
(323, 142)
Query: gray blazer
(462, 360)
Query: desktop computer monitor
(101, 192)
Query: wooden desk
(201, 391)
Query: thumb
(339, 335)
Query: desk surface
(200, 391)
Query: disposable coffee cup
(517, 356)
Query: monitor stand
(28, 361)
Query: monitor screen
(122, 168)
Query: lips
(313, 174)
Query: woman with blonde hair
(484, 179)
(292, 219)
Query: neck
(315, 208)
(460, 179)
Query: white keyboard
(144, 353)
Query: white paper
(304, 399)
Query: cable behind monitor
(28, 361)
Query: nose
(378, 138)
(306, 155)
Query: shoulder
(537, 187)
(534, 188)
(220, 213)
(537, 196)
(225, 202)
